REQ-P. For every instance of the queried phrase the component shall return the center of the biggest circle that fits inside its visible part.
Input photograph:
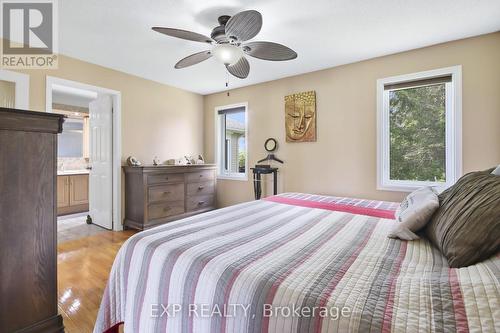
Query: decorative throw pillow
(466, 227)
(414, 213)
(496, 172)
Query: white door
(101, 153)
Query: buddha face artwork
(300, 117)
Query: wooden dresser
(28, 234)
(158, 194)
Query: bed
(294, 263)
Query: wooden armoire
(28, 225)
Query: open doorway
(88, 188)
(73, 163)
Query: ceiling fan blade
(244, 26)
(241, 69)
(269, 51)
(183, 34)
(193, 59)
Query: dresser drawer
(199, 201)
(200, 176)
(165, 178)
(160, 210)
(170, 192)
(200, 188)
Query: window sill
(228, 177)
(410, 186)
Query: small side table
(257, 180)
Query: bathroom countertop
(72, 172)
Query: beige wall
(156, 119)
(343, 160)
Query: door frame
(117, 137)
(22, 82)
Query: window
(419, 130)
(231, 129)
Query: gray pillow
(414, 213)
(466, 227)
(496, 172)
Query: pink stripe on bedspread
(389, 305)
(458, 303)
(383, 213)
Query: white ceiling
(324, 33)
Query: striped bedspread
(294, 263)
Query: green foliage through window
(242, 156)
(417, 133)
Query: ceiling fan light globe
(227, 54)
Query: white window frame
(453, 129)
(22, 87)
(221, 173)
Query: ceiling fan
(229, 43)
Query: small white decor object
(132, 161)
(156, 161)
(496, 171)
(181, 161)
(414, 213)
(200, 160)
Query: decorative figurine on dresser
(28, 213)
(158, 194)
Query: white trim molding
(117, 136)
(22, 90)
(217, 150)
(453, 140)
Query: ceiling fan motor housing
(223, 19)
(219, 34)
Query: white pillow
(414, 213)
(496, 171)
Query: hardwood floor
(83, 267)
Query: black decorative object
(257, 179)
(271, 145)
(271, 157)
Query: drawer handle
(201, 202)
(166, 178)
(201, 187)
(201, 176)
(166, 192)
(166, 209)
